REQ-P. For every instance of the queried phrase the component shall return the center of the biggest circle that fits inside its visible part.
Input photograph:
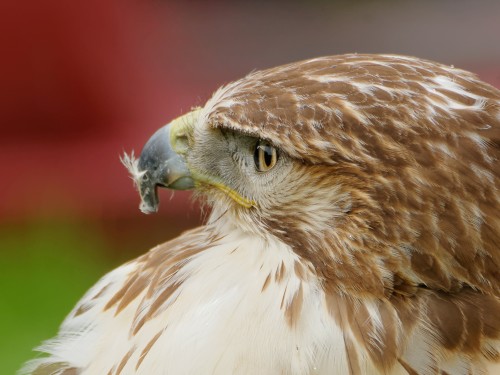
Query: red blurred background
(81, 82)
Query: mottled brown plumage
(416, 145)
(372, 247)
(423, 158)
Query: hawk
(354, 229)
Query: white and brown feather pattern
(418, 143)
(416, 146)
(153, 300)
(381, 256)
(422, 140)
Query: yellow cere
(180, 128)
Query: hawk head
(380, 171)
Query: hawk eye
(265, 156)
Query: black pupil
(268, 155)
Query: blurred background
(81, 82)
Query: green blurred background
(80, 82)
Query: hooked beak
(162, 162)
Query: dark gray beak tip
(148, 209)
(149, 195)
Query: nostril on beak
(181, 144)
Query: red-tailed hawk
(355, 229)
